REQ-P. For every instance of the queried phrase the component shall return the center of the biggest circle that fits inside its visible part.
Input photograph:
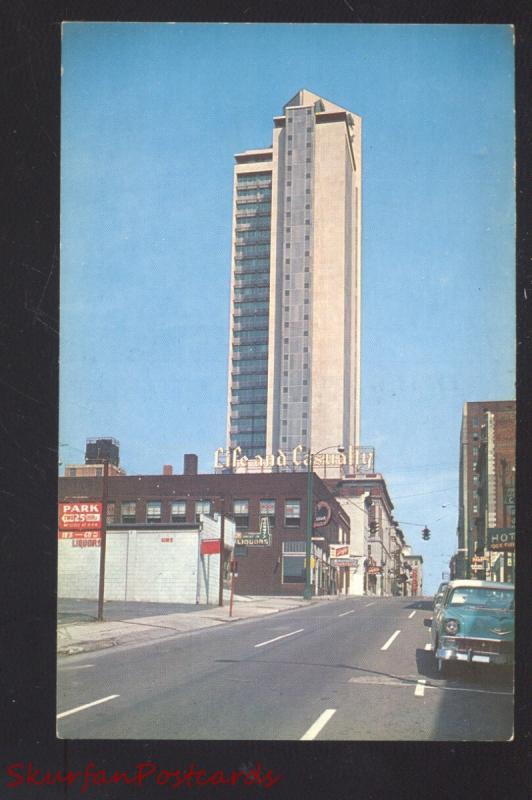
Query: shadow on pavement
(69, 610)
(424, 605)
(469, 676)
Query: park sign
(501, 539)
(75, 516)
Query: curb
(105, 644)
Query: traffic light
(373, 527)
(425, 534)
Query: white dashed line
(347, 612)
(390, 640)
(370, 604)
(279, 637)
(87, 705)
(322, 720)
(80, 666)
(411, 615)
(420, 688)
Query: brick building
(486, 491)
(175, 502)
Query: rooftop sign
(359, 459)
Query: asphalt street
(355, 669)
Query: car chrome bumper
(450, 654)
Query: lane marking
(80, 666)
(87, 705)
(392, 638)
(460, 689)
(279, 637)
(428, 646)
(370, 604)
(322, 720)
(420, 688)
(411, 615)
(347, 612)
(405, 683)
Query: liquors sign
(357, 459)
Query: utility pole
(307, 592)
(222, 553)
(103, 542)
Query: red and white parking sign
(80, 516)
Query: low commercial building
(376, 541)
(148, 563)
(269, 513)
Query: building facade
(269, 564)
(294, 360)
(146, 562)
(377, 544)
(486, 488)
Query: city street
(353, 669)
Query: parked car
(474, 623)
(438, 597)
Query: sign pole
(232, 588)
(307, 592)
(101, 586)
(222, 554)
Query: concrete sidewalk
(84, 637)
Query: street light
(307, 592)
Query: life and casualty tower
(294, 355)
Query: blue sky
(151, 117)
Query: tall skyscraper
(294, 361)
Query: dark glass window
(294, 569)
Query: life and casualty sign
(80, 516)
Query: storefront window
(294, 569)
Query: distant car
(474, 623)
(438, 597)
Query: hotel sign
(358, 459)
(501, 539)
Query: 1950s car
(438, 597)
(474, 623)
